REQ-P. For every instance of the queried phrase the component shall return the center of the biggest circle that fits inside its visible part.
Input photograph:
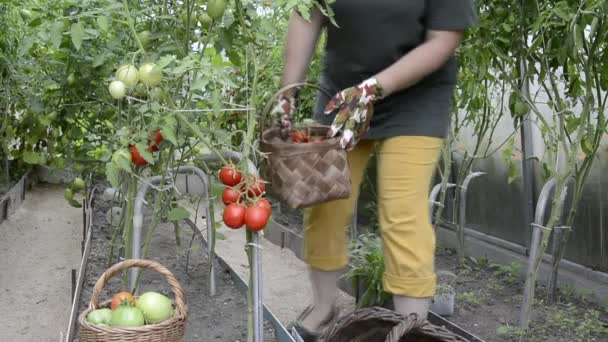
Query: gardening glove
(354, 108)
(283, 110)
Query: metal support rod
(462, 210)
(138, 216)
(527, 144)
(537, 233)
(433, 197)
(251, 169)
(258, 310)
(256, 259)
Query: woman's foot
(313, 320)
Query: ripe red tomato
(234, 216)
(136, 158)
(121, 297)
(255, 187)
(153, 146)
(230, 196)
(230, 176)
(299, 136)
(263, 203)
(256, 218)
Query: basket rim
(279, 144)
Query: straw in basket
(170, 330)
(304, 174)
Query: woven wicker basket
(382, 325)
(306, 174)
(171, 330)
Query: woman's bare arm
(302, 37)
(420, 62)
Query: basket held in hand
(170, 330)
(304, 174)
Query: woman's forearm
(302, 37)
(420, 62)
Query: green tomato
(155, 307)
(127, 316)
(71, 79)
(68, 194)
(144, 38)
(128, 75)
(25, 14)
(205, 19)
(150, 74)
(78, 184)
(156, 94)
(216, 8)
(521, 108)
(100, 317)
(140, 91)
(117, 89)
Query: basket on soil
(383, 325)
(304, 174)
(170, 330)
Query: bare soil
(219, 318)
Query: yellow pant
(405, 170)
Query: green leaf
(77, 33)
(103, 23)
(26, 45)
(35, 158)
(169, 134)
(143, 151)
(55, 34)
(99, 60)
(178, 214)
(112, 174)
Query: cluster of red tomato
(245, 205)
(153, 146)
(301, 136)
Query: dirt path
(39, 245)
(287, 290)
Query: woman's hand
(283, 110)
(355, 108)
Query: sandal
(312, 336)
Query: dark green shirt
(372, 35)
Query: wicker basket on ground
(170, 330)
(382, 325)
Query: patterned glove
(355, 109)
(284, 109)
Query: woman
(391, 65)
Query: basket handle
(149, 264)
(402, 329)
(270, 103)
